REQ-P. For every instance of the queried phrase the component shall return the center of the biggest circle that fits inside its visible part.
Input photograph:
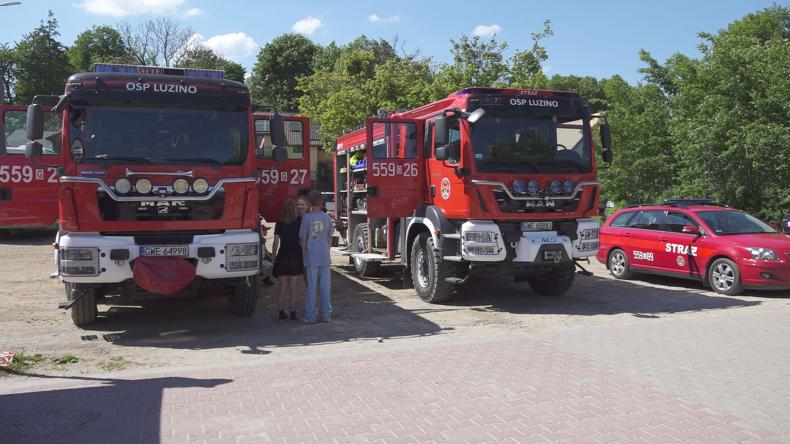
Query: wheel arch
(610, 251)
(708, 266)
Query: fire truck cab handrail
(496, 183)
(115, 197)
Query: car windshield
(733, 222)
(517, 143)
(151, 135)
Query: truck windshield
(512, 143)
(148, 135)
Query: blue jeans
(321, 277)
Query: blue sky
(599, 38)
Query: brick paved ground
(511, 390)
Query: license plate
(536, 226)
(180, 251)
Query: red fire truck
(158, 193)
(285, 178)
(28, 192)
(487, 177)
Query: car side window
(621, 220)
(676, 221)
(647, 220)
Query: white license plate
(536, 226)
(180, 251)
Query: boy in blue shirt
(315, 236)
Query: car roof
(693, 208)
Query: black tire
(618, 264)
(556, 282)
(428, 271)
(243, 298)
(724, 277)
(364, 268)
(84, 311)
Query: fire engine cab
(28, 191)
(497, 178)
(158, 189)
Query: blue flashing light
(158, 70)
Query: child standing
(315, 237)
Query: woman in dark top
(288, 264)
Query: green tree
(475, 63)
(526, 70)
(43, 65)
(204, 57)
(279, 66)
(731, 114)
(8, 71)
(100, 44)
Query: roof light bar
(158, 70)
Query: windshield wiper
(192, 160)
(571, 162)
(121, 158)
(512, 162)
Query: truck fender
(427, 218)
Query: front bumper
(529, 247)
(116, 271)
(765, 275)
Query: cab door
(29, 189)
(395, 167)
(280, 181)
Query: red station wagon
(725, 248)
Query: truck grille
(508, 205)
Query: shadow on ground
(118, 410)
(204, 323)
(26, 237)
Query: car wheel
(724, 277)
(618, 264)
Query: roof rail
(689, 202)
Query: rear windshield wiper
(571, 162)
(121, 158)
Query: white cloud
(193, 12)
(486, 30)
(234, 46)
(307, 26)
(123, 8)
(375, 18)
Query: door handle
(662, 239)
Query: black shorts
(287, 267)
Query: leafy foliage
(42, 63)
(100, 44)
(279, 66)
(203, 57)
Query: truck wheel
(84, 312)
(724, 277)
(618, 264)
(363, 267)
(428, 271)
(243, 297)
(556, 282)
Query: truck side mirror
(35, 122)
(607, 156)
(441, 132)
(279, 154)
(277, 127)
(606, 136)
(441, 153)
(33, 149)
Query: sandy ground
(378, 314)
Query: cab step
(370, 256)
(451, 235)
(453, 258)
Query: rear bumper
(765, 275)
(112, 271)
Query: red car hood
(775, 241)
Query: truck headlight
(589, 234)
(79, 261)
(239, 257)
(480, 236)
(763, 254)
